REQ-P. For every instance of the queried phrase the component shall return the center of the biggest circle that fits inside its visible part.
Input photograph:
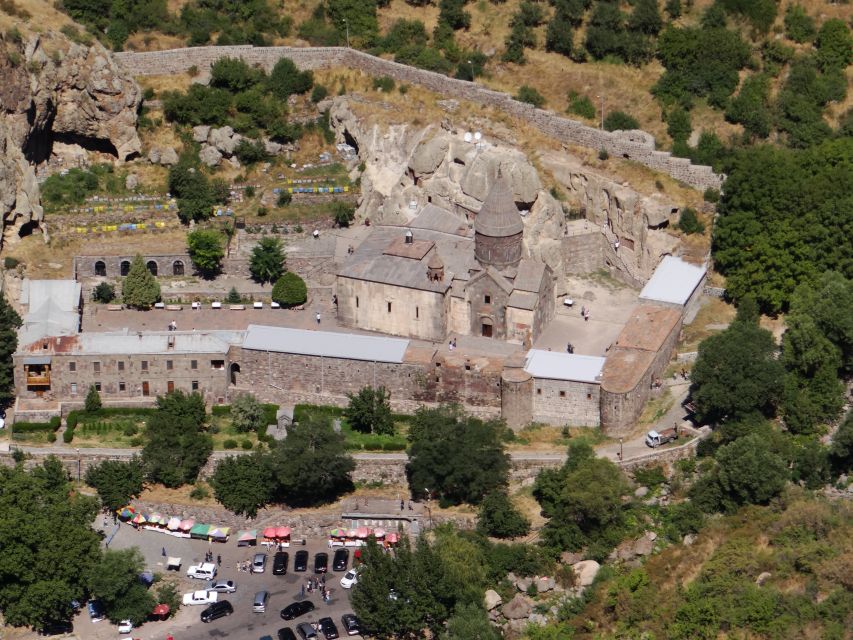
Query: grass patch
(357, 441)
(538, 436)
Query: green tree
(673, 8)
(9, 323)
(751, 106)
(356, 16)
(267, 260)
(115, 582)
(42, 514)
(177, 446)
(244, 484)
(470, 622)
(799, 25)
(369, 411)
(444, 441)
(311, 465)
(678, 125)
(286, 80)
(117, 482)
(841, 449)
(207, 249)
(646, 17)
(530, 96)
(104, 293)
(343, 213)
(736, 373)
(247, 414)
(93, 400)
(749, 472)
(140, 288)
(618, 120)
(251, 152)
(689, 222)
(834, 45)
(559, 37)
(234, 75)
(498, 517)
(233, 296)
(195, 193)
(290, 290)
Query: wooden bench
(237, 307)
(215, 305)
(115, 307)
(173, 307)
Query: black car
(279, 563)
(217, 610)
(286, 633)
(327, 626)
(341, 559)
(321, 562)
(297, 609)
(351, 624)
(300, 561)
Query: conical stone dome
(498, 217)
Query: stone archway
(487, 327)
(178, 268)
(152, 267)
(235, 372)
(124, 267)
(100, 268)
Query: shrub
(199, 493)
(247, 445)
(230, 443)
(711, 195)
(290, 290)
(104, 293)
(689, 223)
(249, 152)
(319, 93)
(530, 96)
(384, 83)
(233, 297)
(343, 213)
(581, 106)
(130, 429)
(498, 517)
(68, 435)
(284, 198)
(9, 262)
(602, 154)
(93, 400)
(137, 441)
(620, 121)
(799, 26)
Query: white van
(206, 571)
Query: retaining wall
(621, 145)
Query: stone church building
(433, 278)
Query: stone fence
(634, 146)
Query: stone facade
(177, 264)
(617, 144)
(566, 402)
(500, 252)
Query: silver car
(222, 586)
(259, 564)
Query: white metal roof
(673, 281)
(325, 343)
(157, 342)
(564, 366)
(52, 309)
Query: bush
(284, 198)
(137, 441)
(199, 493)
(384, 83)
(230, 443)
(711, 195)
(249, 152)
(68, 435)
(233, 297)
(689, 223)
(343, 213)
(247, 445)
(290, 290)
(104, 293)
(602, 154)
(93, 400)
(530, 96)
(9, 262)
(498, 517)
(319, 93)
(620, 121)
(581, 106)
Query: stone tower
(498, 229)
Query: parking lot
(243, 623)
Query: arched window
(124, 267)
(235, 372)
(100, 268)
(178, 268)
(152, 267)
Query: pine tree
(267, 261)
(140, 288)
(93, 400)
(9, 323)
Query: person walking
(219, 560)
(164, 552)
(318, 318)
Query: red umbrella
(270, 532)
(362, 532)
(282, 532)
(161, 611)
(392, 537)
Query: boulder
(428, 155)
(523, 584)
(493, 599)
(517, 608)
(224, 139)
(763, 577)
(131, 181)
(544, 584)
(201, 132)
(689, 539)
(643, 546)
(168, 157)
(585, 572)
(537, 619)
(154, 155)
(641, 492)
(567, 557)
(209, 156)
(272, 148)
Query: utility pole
(601, 126)
(78, 464)
(346, 24)
(471, 64)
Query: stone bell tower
(498, 229)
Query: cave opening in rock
(27, 228)
(87, 142)
(350, 140)
(662, 225)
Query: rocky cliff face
(56, 91)
(406, 167)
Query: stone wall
(583, 252)
(177, 264)
(616, 144)
(565, 402)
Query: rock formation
(406, 167)
(56, 91)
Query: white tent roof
(673, 281)
(564, 366)
(52, 309)
(325, 343)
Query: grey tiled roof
(498, 217)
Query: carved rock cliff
(55, 91)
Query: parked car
(96, 611)
(321, 562)
(286, 633)
(300, 561)
(200, 597)
(306, 631)
(125, 626)
(341, 559)
(351, 624)
(222, 586)
(259, 563)
(279, 563)
(217, 610)
(350, 579)
(296, 609)
(328, 627)
(206, 571)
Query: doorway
(486, 328)
(235, 371)
(146, 390)
(170, 386)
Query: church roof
(498, 217)
(435, 261)
(529, 275)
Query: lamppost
(601, 97)
(620, 449)
(471, 64)
(429, 505)
(346, 24)
(78, 464)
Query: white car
(206, 571)
(222, 586)
(350, 578)
(125, 626)
(200, 597)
